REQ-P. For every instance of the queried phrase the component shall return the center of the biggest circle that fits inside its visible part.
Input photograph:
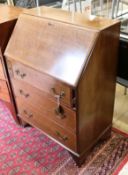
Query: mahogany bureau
(8, 17)
(62, 68)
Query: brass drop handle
(17, 72)
(22, 75)
(61, 95)
(61, 137)
(59, 111)
(27, 114)
(26, 95)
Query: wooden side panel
(1, 71)
(5, 33)
(6, 28)
(11, 108)
(96, 90)
(4, 93)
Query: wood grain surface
(79, 56)
(57, 49)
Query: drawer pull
(58, 97)
(17, 72)
(59, 111)
(63, 138)
(26, 95)
(27, 114)
(61, 95)
(22, 75)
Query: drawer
(45, 106)
(4, 93)
(41, 81)
(30, 114)
(1, 71)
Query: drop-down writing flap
(58, 49)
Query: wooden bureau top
(79, 19)
(8, 13)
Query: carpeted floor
(27, 151)
(122, 169)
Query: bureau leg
(10, 106)
(106, 134)
(18, 120)
(23, 123)
(80, 160)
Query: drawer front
(28, 114)
(1, 71)
(44, 105)
(4, 93)
(40, 81)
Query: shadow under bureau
(63, 76)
